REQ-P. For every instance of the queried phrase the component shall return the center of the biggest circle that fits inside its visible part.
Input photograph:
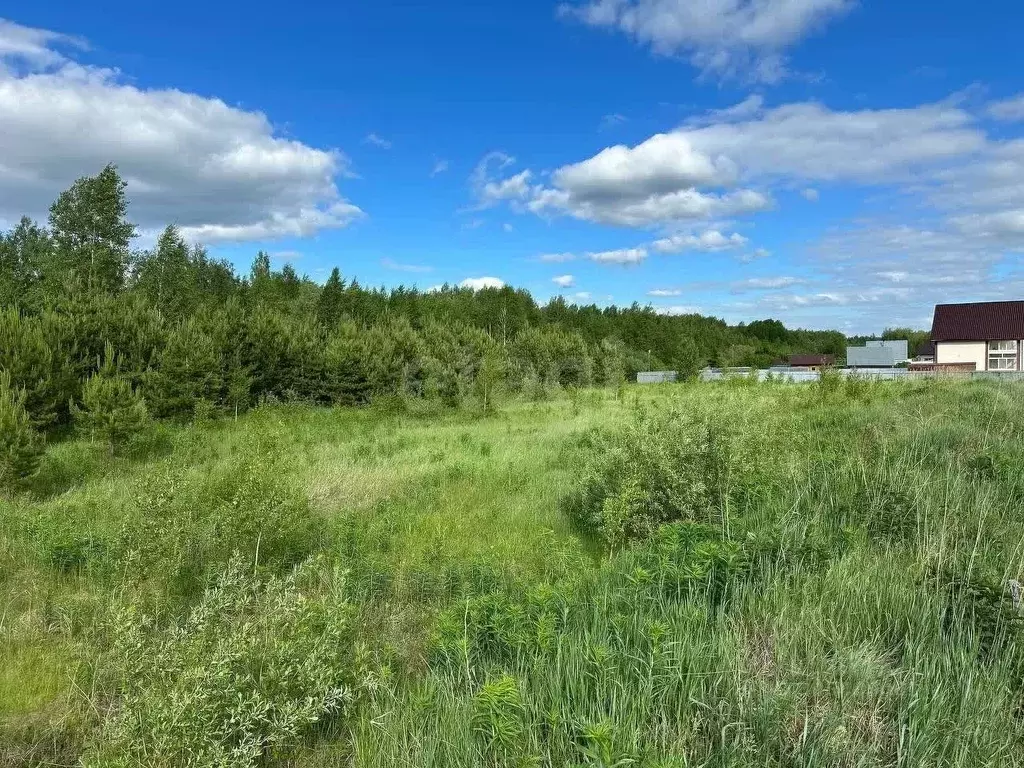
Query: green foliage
(20, 445)
(110, 407)
(497, 716)
(179, 533)
(24, 253)
(36, 352)
(329, 303)
(660, 468)
(251, 670)
(91, 236)
(189, 370)
(490, 377)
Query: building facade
(877, 354)
(989, 335)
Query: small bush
(659, 469)
(182, 531)
(239, 682)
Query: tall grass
(810, 576)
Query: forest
(90, 325)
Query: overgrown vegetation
(722, 575)
(476, 558)
(84, 316)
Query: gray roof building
(877, 354)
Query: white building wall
(962, 352)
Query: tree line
(95, 332)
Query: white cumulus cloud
(564, 281)
(722, 38)
(621, 256)
(478, 283)
(217, 171)
(678, 309)
(709, 241)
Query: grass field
(392, 588)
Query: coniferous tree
(36, 351)
(21, 447)
(189, 371)
(111, 408)
(329, 303)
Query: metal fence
(797, 375)
(656, 377)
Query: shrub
(181, 531)
(110, 406)
(659, 469)
(20, 446)
(238, 682)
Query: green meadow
(677, 575)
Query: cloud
(664, 292)
(582, 295)
(36, 48)
(678, 309)
(506, 227)
(722, 38)
(622, 256)
(398, 267)
(768, 282)
(285, 256)
(440, 166)
(709, 241)
(723, 166)
(218, 172)
(478, 283)
(811, 142)
(1009, 109)
(810, 194)
(564, 281)
(374, 140)
(749, 107)
(556, 258)
(489, 190)
(610, 121)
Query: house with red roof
(989, 335)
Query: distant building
(656, 377)
(877, 354)
(812, 362)
(988, 335)
(925, 352)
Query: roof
(802, 360)
(981, 321)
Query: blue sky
(832, 163)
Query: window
(1002, 355)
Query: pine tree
(21, 447)
(189, 371)
(37, 353)
(328, 305)
(111, 407)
